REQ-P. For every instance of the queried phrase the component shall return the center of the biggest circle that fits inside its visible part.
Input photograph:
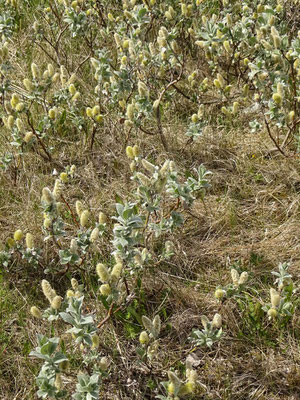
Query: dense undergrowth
(149, 208)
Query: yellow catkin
(144, 337)
(36, 312)
(70, 293)
(105, 289)
(79, 208)
(129, 152)
(148, 166)
(74, 284)
(136, 150)
(49, 293)
(47, 196)
(29, 239)
(102, 272)
(94, 235)
(102, 218)
(18, 235)
(58, 382)
(56, 302)
(116, 271)
(275, 298)
(34, 71)
(104, 363)
(95, 341)
(217, 321)
(219, 294)
(84, 218)
(58, 188)
(64, 177)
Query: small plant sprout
(211, 333)
(149, 338)
(282, 301)
(83, 333)
(176, 388)
(283, 277)
(111, 286)
(232, 289)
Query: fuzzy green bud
(36, 312)
(79, 208)
(219, 294)
(84, 218)
(52, 113)
(235, 107)
(116, 271)
(56, 302)
(95, 341)
(277, 99)
(272, 313)
(29, 240)
(102, 272)
(290, 117)
(18, 235)
(217, 321)
(49, 293)
(144, 338)
(34, 71)
(105, 289)
(129, 152)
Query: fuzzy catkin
(217, 321)
(116, 271)
(29, 239)
(47, 196)
(74, 284)
(58, 188)
(94, 235)
(102, 218)
(56, 302)
(49, 293)
(36, 312)
(84, 218)
(102, 272)
(18, 235)
(79, 208)
(275, 298)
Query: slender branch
(158, 115)
(70, 209)
(38, 138)
(272, 137)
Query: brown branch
(70, 209)
(81, 64)
(108, 316)
(38, 138)
(158, 115)
(145, 131)
(272, 137)
(291, 129)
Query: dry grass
(251, 215)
